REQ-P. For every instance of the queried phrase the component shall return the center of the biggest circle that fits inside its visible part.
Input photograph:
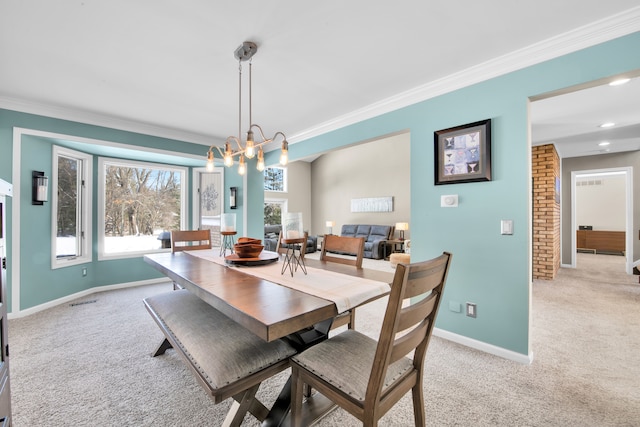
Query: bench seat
(227, 359)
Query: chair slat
(423, 280)
(414, 313)
(408, 342)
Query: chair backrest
(342, 244)
(189, 240)
(408, 321)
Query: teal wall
(40, 284)
(488, 269)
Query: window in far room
(273, 211)
(71, 207)
(137, 202)
(275, 179)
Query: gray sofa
(375, 237)
(271, 239)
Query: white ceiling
(167, 68)
(572, 120)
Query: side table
(393, 244)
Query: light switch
(506, 226)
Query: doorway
(602, 206)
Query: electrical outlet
(84, 271)
(472, 310)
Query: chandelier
(244, 53)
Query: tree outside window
(140, 201)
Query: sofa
(271, 233)
(375, 237)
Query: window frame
(184, 202)
(84, 208)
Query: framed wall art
(463, 153)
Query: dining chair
(347, 245)
(189, 240)
(367, 377)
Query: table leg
(315, 405)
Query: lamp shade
(330, 224)
(402, 226)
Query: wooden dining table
(268, 309)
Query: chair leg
(352, 319)
(296, 398)
(418, 404)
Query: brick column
(546, 212)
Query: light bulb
(228, 155)
(284, 155)
(260, 165)
(210, 164)
(250, 150)
(242, 168)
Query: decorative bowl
(249, 240)
(247, 250)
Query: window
(138, 202)
(275, 179)
(273, 211)
(71, 207)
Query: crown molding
(601, 31)
(96, 119)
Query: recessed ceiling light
(619, 82)
(604, 143)
(607, 125)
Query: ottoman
(399, 258)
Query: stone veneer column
(546, 212)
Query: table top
(395, 241)
(269, 310)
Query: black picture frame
(463, 153)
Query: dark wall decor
(233, 197)
(463, 153)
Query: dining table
(298, 308)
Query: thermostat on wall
(449, 201)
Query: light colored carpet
(90, 364)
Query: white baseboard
(69, 298)
(483, 346)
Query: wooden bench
(226, 359)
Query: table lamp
(330, 224)
(402, 226)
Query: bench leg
(242, 403)
(164, 346)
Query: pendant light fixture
(244, 53)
